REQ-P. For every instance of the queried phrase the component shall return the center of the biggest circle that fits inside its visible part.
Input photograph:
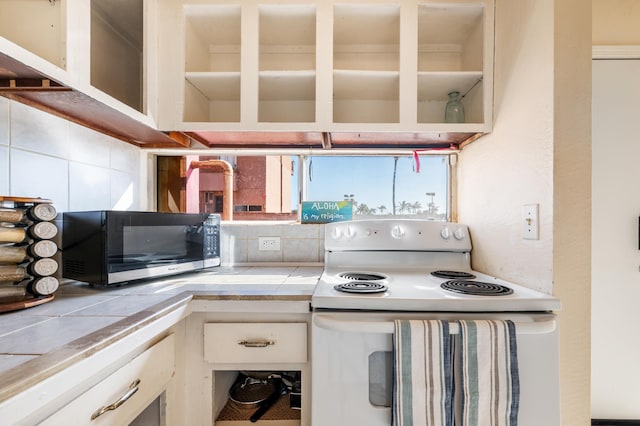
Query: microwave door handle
(327, 322)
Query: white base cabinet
(225, 338)
(121, 397)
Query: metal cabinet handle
(256, 343)
(133, 388)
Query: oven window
(381, 378)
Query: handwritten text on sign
(326, 211)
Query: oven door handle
(544, 325)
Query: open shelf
(366, 96)
(287, 64)
(287, 96)
(366, 63)
(212, 63)
(433, 89)
(450, 37)
(450, 58)
(357, 66)
(212, 96)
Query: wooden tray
(25, 199)
(9, 305)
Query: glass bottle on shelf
(454, 110)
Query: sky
(370, 180)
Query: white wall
(513, 165)
(44, 156)
(539, 153)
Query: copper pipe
(227, 195)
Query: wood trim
(615, 52)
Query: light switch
(530, 222)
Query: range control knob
(336, 233)
(445, 233)
(397, 232)
(459, 234)
(349, 232)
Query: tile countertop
(82, 318)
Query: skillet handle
(269, 402)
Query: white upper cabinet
(36, 32)
(93, 62)
(451, 58)
(352, 65)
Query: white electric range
(379, 270)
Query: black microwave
(106, 248)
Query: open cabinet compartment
(231, 414)
(287, 63)
(366, 63)
(212, 63)
(117, 31)
(37, 26)
(450, 58)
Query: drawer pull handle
(256, 343)
(133, 388)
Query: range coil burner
(453, 275)
(361, 276)
(361, 287)
(476, 288)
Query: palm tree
(362, 209)
(393, 192)
(404, 206)
(416, 207)
(381, 208)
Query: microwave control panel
(211, 233)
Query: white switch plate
(269, 243)
(530, 222)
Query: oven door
(352, 366)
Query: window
(272, 187)
(381, 185)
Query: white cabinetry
(98, 56)
(121, 397)
(225, 338)
(255, 342)
(38, 27)
(325, 66)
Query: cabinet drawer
(153, 368)
(255, 342)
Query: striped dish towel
(423, 381)
(487, 383)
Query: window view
(272, 187)
(381, 185)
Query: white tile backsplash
(88, 187)
(124, 191)
(37, 175)
(298, 243)
(4, 169)
(124, 157)
(89, 147)
(4, 121)
(42, 155)
(38, 131)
